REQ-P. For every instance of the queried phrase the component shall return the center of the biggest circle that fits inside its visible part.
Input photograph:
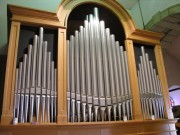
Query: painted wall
(172, 66)
(52, 6)
(46, 5)
(149, 8)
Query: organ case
(138, 99)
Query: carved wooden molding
(144, 36)
(33, 16)
(67, 6)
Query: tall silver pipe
(28, 82)
(77, 75)
(82, 72)
(48, 91)
(33, 77)
(155, 90)
(157, 94)
(152, 90)
(23, 88)
(148, 101)
(88, 66)
(144, 90)
(100, 70)
(52, 91)
(144, 94)
(120, 72)
(128, 87)
(93, 54)
(44, 74)
(116, 77)
(106, 70)
(125, 97)
(147, 79)
(39, 72)
(111, 72)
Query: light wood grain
(7, 111)
(137, 113)
(61, 82)
(163, 79)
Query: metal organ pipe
(150, 88)
(28, 83)
(35, 84)
(99, 66)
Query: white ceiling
(128, 4)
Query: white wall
(172, 66)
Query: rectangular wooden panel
(61, 79)
(163, 79)
(10, 74)
(133, 80)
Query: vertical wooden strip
(162, 77)
(61, 72)
(7, 111)
(133, 80)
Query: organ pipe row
(35, 88)
(98, 79)
(150, 88)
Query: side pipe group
(35, 91)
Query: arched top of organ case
(130, 29)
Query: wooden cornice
(34, 16)
(144, 36)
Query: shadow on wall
(3, 59)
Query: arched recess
(67, 6)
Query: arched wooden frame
(67, 6)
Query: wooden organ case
(130, 97)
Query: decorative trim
(33, 16)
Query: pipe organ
(98, 78)
(150, 88)
(86, 80)
(35, 88)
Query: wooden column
(7, 111)
(133, 80)
(162, 77)
(61, 80)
